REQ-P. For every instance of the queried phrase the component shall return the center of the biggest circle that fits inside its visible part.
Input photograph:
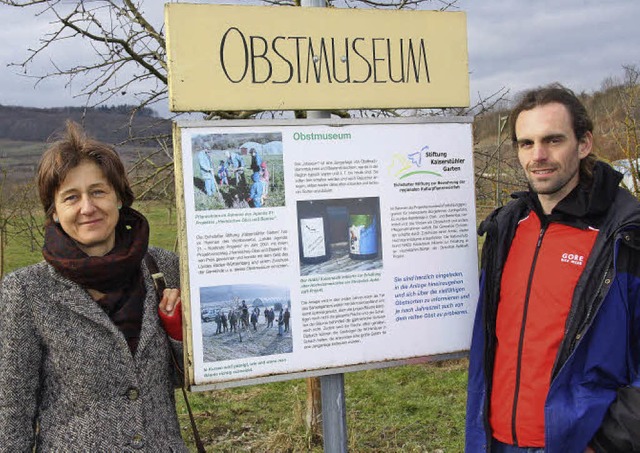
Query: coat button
(137, 441)
(133, 393)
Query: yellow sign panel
(228, 57)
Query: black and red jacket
(593, 385)
(542, 269)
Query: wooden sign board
(228, 57)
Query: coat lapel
(150, 323)
(73, 297)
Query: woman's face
(86, 206)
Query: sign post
(334, 412)
(366, 243)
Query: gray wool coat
(65, 367)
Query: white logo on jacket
(572, 258)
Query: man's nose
(540, 152)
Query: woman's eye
(69, 198)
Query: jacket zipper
(543, 229)
(592, 307)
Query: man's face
(549, 152)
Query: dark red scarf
(117, 274)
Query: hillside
(25, 131)
(108, 124)
(615, 109)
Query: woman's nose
(86, 205)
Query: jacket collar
(586, 205)
(75, 298)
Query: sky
(513, 45)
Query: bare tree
(129, 60)
(20, 218)
(620, 128)
(130, 50)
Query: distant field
(22, 251)
(19, 159)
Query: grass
(413, 408)
(22, 251)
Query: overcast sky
(513, 44)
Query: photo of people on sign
(341, 235)
(237, 171)
(240, 321)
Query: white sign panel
(317, 245)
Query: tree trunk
(314, 410)
(3, 237)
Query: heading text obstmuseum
(307, 60)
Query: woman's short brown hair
(67, 153)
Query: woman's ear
(55, 217)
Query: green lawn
(21, 250)
(413, 408)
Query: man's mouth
(542, 171)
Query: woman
(84, 344)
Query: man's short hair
(580, 120)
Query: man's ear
(585, 145)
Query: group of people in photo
(244, 318)
(232, 171)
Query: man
(206, 171)
(256, 160)
(285, 318)
(235, 164)
(555, 355)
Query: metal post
(314, 3)
(334, 414)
